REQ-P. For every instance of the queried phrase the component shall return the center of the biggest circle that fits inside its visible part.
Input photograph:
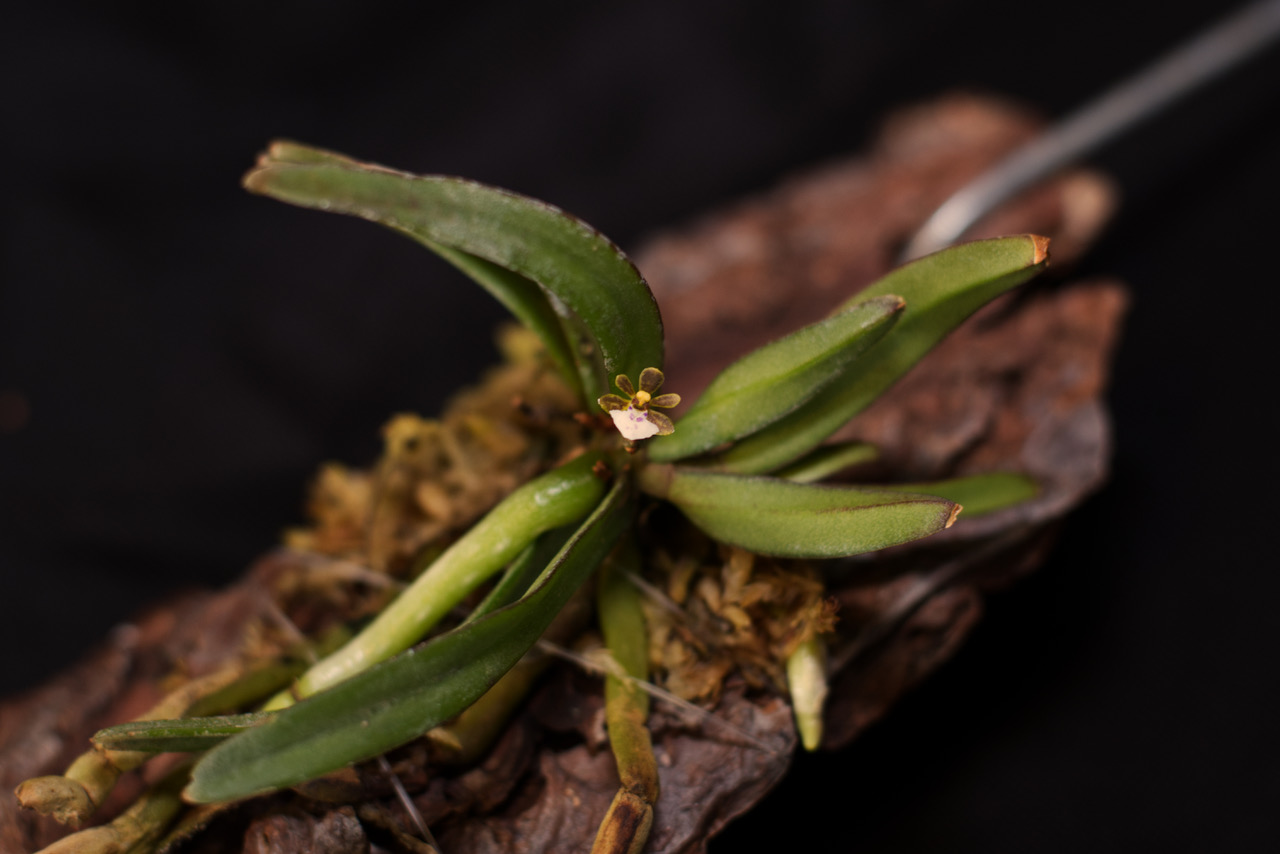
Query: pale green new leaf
(552, 500)
(609, 319)
(776, 379)
(778, 517)
(398, 700)
(940, 290)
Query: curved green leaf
(978, 494)
(608, 315)
(778, 517)
(776, 379)
(518, 295)
(398, 700)
(522, 298)
(940, 290)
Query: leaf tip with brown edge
(1040, 245)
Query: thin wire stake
(602, 668)
(410, 807)
(290, 628)
(1226, 44)
(655, 595)
(666, 603)
(402, 794)
(349, 570)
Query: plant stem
(626, 825)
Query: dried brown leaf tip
(632, 415)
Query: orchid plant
(742, 464)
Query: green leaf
(778, 517)
(778, 378)
(400, 699)
(553, 499)
(826, 460)
(978, 494)
(182, 735)
(608, 315)
(522, 298)
(940, 290)
(522, 572)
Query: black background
(176, 357)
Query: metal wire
(410, 807)
(1226, 44)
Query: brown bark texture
(1018, 387)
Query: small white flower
(631, 414)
